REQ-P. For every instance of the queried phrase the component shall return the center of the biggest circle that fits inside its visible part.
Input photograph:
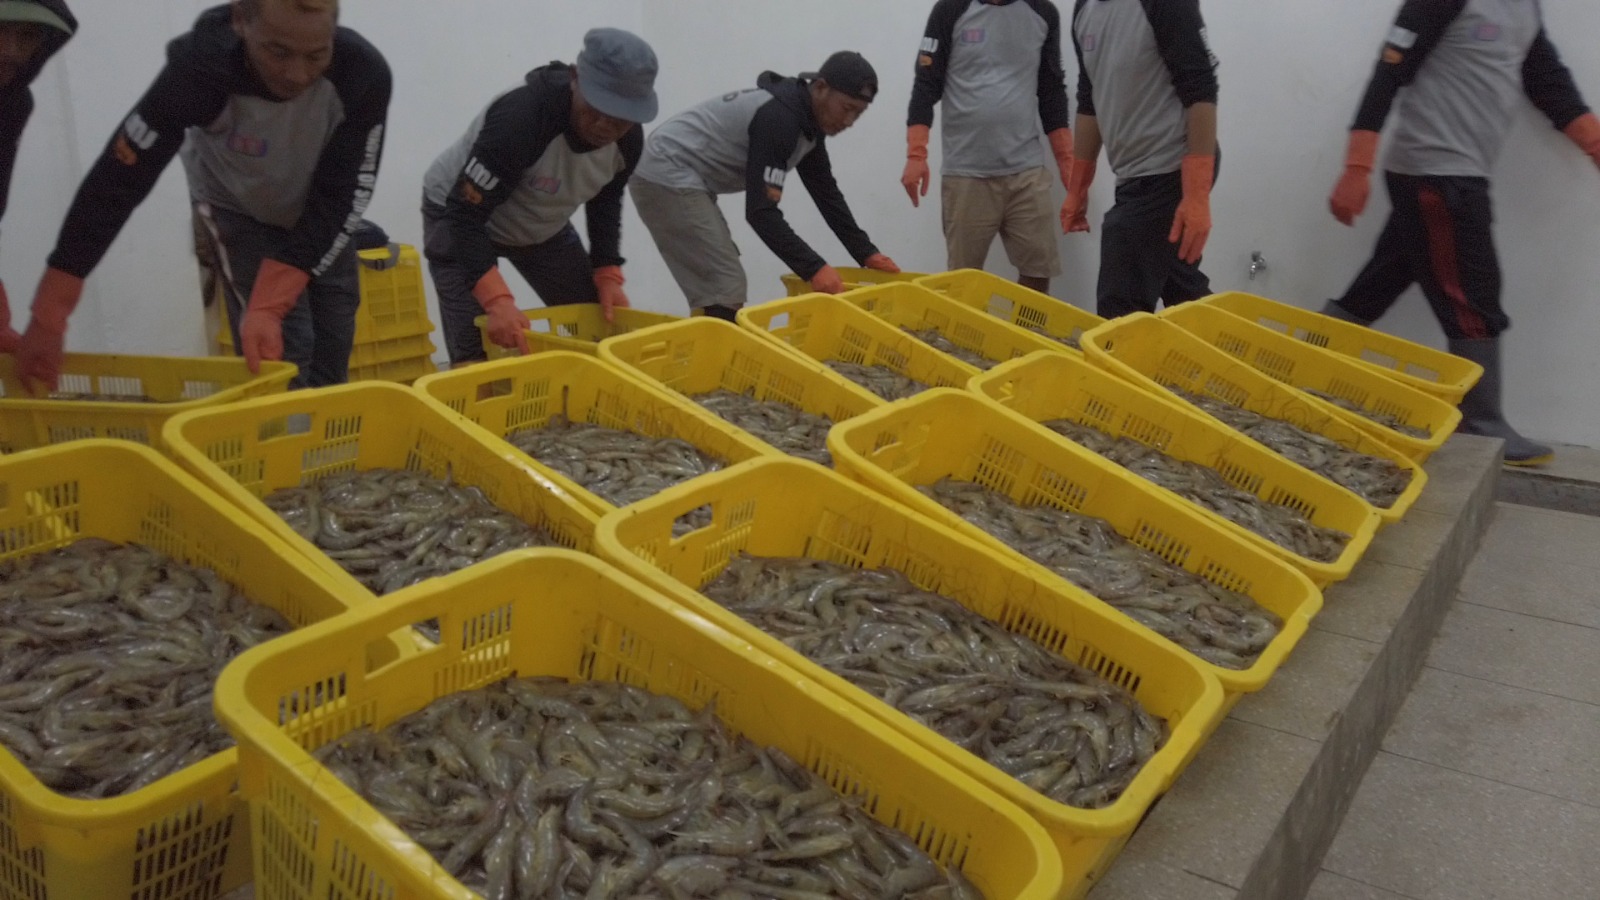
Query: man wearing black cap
(568, 136)
(748, 141)
(279, 115)
(31, 31)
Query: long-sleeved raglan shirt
(16, 100)
(994, 66)
(308, 165)
(748, 141)
(521, 170)
(1464, 64)
(1141, 65)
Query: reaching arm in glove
(1180, 39)
(1418, 28)
(1548, 83)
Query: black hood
(793, 93)
(54, 40)
(554, 74)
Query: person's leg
(1135, 255)
(1389, 271)
(559, 269)
(971, 210)
(693, 237)
(334, 298)
(1461, 278)
(458, 308)
(241, 243)
(1028, 229)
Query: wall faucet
(1258, 264)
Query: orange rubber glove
(1075, 212)
(507, 325)
(1585, 132)
(42, 348)
(9, 339)
(1061, 149)
(880, 263)
(1355, 185)
(1191, 225)
(827, 281)
(916, 176)
(277, 289)
(608, 282)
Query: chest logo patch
(1090, 42)
(1487, 32)
(248, 145)
(546, 184)
(972, 36)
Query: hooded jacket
(306, 165)
(749, 140)
(16, 100)
(520, 172)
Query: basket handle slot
(779, 321)
(291, 425)
(500, 387)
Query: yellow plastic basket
(823, 328)
(1157, 354)
(1441, 374)
(578, 327)
(915, 307)
(1302, 365)
(1011, 302)
(697, 356)
(781, 507)
(511, 395)
(1047, 386)
(176, 384)
(394, 304)
(184, 837)
(852, 278)
(249, 450)
(959, 435)
(401, 371)
(555, 613)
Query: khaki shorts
(693, 237)
(1020, 208)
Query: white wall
(1291, 76)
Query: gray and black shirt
(1141, 65)
(308, 165)
(1464, 65)
(995, 68)
(748, 141)
(521, 170)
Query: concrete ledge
(1256, 811)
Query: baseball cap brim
(20, 11)
(639, 109)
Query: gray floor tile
(1519, 650)
(1223, 810)
(1509, 579)
(1572, 461)
(1507, 734)
(1544, 534)
(1308, 692)
(1368, 603)
(1434, 834)
(1329, 886)
(1148, 879)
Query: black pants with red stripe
(1439, 237)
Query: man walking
(1463, 65)
(747, 141)
(994, 66)
(569, 136)
(279, 116)
(1147, 92)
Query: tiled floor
(1488, 784)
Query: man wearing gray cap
(747, 141)
(569, 135)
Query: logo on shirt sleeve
(774, 178)
(930, 46)
(136, 135)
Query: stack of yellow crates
(392, 327)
